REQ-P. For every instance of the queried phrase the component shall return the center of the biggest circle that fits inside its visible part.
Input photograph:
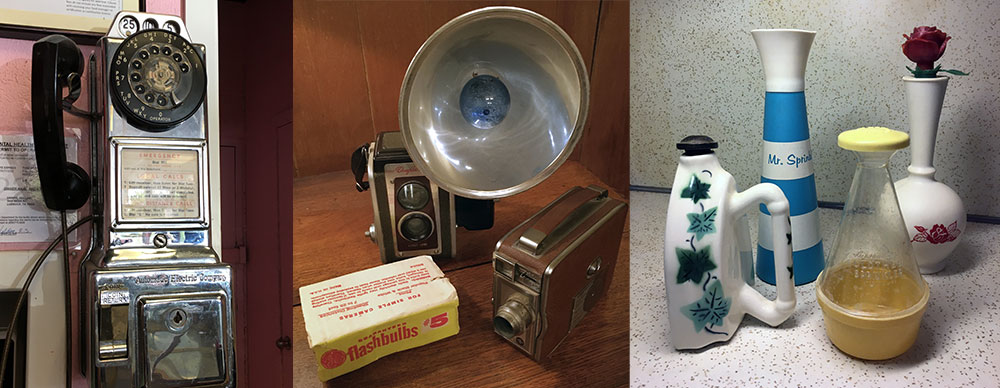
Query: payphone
(156, 299)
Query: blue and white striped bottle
(787, 156)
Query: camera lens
(512, 317)
(416, 226)
(503, 326)
(413, 196)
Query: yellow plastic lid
(869, 139)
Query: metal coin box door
(157, 299)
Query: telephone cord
(69, 304)
(24, 292)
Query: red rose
(939, 235)
(925, 45)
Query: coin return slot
(113, 332)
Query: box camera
(552, 269)
(413, 216)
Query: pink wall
(15, 91)
(169, 7)
(15, 76)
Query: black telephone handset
(56, 62)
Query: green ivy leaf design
(702, 223)
(696, 189)
(693, 264)
(710, 309)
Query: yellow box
(358, 318)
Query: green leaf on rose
(955, 72)
(932, 73)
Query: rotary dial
(157, 79)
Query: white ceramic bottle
(933, 212)
(707, 251)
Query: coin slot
(172, 26)
(128, 25)
(149, 24)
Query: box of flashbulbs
(355, 319)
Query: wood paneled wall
(350, 58)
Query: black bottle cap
(697, 145)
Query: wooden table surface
(330, 220)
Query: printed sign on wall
(23, 215)
(70, 15)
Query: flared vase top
(784, 53)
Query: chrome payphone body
(156, 298)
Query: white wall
(202, 20)
(695, 70)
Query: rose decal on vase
(937, 234)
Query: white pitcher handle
(777, 311)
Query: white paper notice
(159, 184)
(23, 215)
(102, 9)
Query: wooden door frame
(255, 136)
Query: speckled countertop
(958, 343)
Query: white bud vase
(933, 212)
